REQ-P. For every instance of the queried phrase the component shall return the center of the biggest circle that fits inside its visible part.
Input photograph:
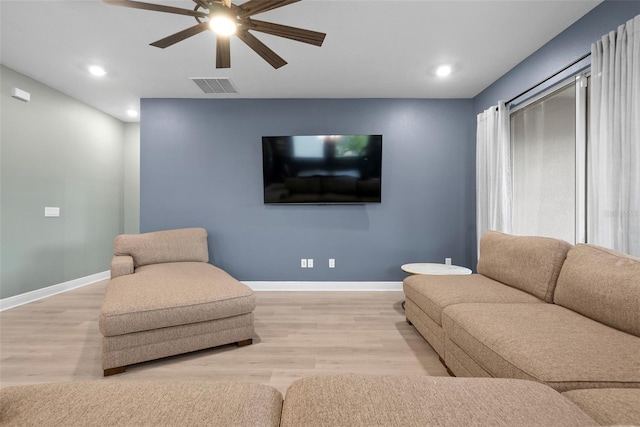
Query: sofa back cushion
(601, 284)
(185, 244)
(531, 264)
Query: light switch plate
(51, 211)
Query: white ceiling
(373, 48)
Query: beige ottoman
(149, 403)
(366, 401)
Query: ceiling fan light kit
(222, 25)
(227, 19)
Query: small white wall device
(51, 211)
(20, 94)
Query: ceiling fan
(226, 19)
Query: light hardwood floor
(297, 334)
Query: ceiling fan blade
(261, 49)
(202, 3)
(181, 35)
(298, 34)
(227, 3)
(223, 52)
(156, 7)
(253, 7)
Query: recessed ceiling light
(443, 70)
(223, 25)
(132, 113)
(97, 70)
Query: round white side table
(433, 268)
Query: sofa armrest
(121, 265)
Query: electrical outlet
(310, 263)
(303, 263)
(447, 261)
(332, 263)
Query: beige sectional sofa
(331, 401)
(164, 298)
(539, 309)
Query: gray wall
(131, 178)
(201, 165)
(56, 151)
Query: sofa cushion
(531, 264)
(148, 403)
(546, 343)
(602, 284)
(185, 244)
(609, 406)
(460, 363)
(429, 329)
(366, 401)
(433, 293)
(170, 294)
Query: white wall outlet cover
(447, 261)
(51, 211)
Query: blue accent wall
(201, 165)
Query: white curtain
(493, 171)
(613, 168)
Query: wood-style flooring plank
(298, 334)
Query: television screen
(322, 169)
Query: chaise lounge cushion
(546, 343)
(170, 294)
(602, 284)
(185, 244)
(529, 263)
(148, 403)
(366, 401)
(609, 406)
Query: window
(548, 152)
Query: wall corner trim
(324, 286)
(27, 297)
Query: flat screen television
(322, 169)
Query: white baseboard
(27, 297)
(325, 286)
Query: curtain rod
(549, 78)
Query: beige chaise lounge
(330, 400)
(164, 298)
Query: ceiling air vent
(214, 85)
